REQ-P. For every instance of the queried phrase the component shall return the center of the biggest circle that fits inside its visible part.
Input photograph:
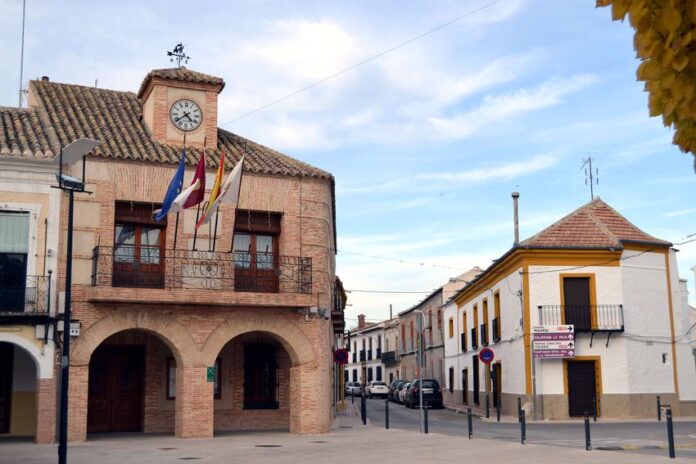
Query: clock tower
(178, 101)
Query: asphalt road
(640, 437)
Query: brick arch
(294, 340)
(173, 334)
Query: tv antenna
(178, 55)
(591, 177)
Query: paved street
(349, 442)
(635, 437)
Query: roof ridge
(601, 224)
(91, 88)
(529, 239)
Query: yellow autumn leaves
(665, 41)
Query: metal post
(670, 433)
(425, 424)
(386, 414)
(363, 409)
(352, 395)
(497, 411)
(519, 408)
(523, 427)
(65, 368)
(470, 422)
(488, 409)
(659, 409)
(594, 409)
(588, 444)
(420, 369)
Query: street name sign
(553, 341)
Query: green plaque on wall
(211, 374)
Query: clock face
(186, 115)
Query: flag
(229, 193)
(209, 210)
(193, 194)
(173, 190)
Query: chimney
(515, 197)
(361, 321)
(45, 78)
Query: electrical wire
(363, 62)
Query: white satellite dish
(75, 151)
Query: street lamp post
(69, 154)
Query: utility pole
(591, 177)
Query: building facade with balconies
(365, 344)
(29, 245)
(617, 286)
(184, 330)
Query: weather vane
(178, 55)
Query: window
(496, 314)
(138, 259)
(256, 251)
(451, 379)
(379, 347)
(403, 337)
(439, 319)
(412, 345)
(346, 377)
(355, 375)
(14, 250)
(578, 301)
(484, 323)
(369, 374)
(430, 327)
(465, 385)
(450, 324)
(379, 373)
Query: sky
(427, 141)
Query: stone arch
(43, 361)
(294, 340)
(173, 334)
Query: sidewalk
(349, 442)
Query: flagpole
(216, 223)
(239, 192)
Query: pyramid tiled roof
(180, 74)
(66, 112)
(593, 225)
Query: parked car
(432, 394)
(402, 392)
(353, 388)
(377, 388)
(394, 390)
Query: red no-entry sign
(486, 355)
(341, 356)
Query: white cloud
(680, 212)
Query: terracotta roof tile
(180, 74)
(115, 118)
(594, 225)
(22, 135)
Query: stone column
(194, 403)
(45, 411)
(77, 405)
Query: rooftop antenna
(21, 59)
(591, 177)
(178, 55)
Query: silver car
(377, 388)
(353, 388)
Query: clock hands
(185, 115)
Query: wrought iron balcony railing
(484, 334)
(474, 338)
(363, 356)
(389, 358)
(496, 329)
(585, 318)
(209, 270)
(25, 295)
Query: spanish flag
(211, 206)
(229, 192)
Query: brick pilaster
(194, 403)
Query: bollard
(659, 409)
(588, 444)
(363, 409)
(470, 422)
(594, 409)
(425, 423)
(519, 408)
(523, 427)
(386, 414)
(670, 433)
(488, 407)
(497, 409)
(352, 396)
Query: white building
(619, 287)
(365, 352)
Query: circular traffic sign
(486, 355)
(341, 356)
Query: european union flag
(173, 190)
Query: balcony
(474, 338)
(484, 334)
(378, 355)
(389, 358)
(463, 341)
(25, 298)
(363, 356)
(585, 318)
(496, 329)
(355, 357)
(369, 355)
(200, 277)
